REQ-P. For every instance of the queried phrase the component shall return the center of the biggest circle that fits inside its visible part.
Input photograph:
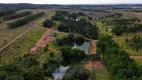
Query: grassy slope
(22, 45)
(7, 35)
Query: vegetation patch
(22, 46)
(118, 60)
(25, 20)
(16, 15)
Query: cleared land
(22, 46)
(6, 35)
(92, 48)
(21, 39)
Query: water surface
(85, 46)
(60, 72)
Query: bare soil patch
(92, 48)
(136, 57)
(46, 38)
(95, 64)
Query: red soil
(136, 57)
(45, 39)
(94, 64)
(92, 49)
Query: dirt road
(136, 57)
(92, 48)
(20, 36)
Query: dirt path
(136, 57)
(19, 36)
(94, 64)
(92, 48)
(52, 49)
(97, 65)
(43, 41)
(100, 28)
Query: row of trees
(121, 65)
(7, 12)
(16, 15)
(82, 27)
(25, 20)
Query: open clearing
(6, 35)
(127, 48)
(21, 46)
(42, 42)
(20, 40)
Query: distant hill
(85, 6)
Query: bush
(51, 54)
(48, 23)
(33, 73)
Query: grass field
(102, 75)
(127, 48)
(129, 14)
(6, 35)
(22, 45)
(102, 29)
(46, 56)
(139, 61)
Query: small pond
(85, 46)
(60, 72)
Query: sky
(74, 1)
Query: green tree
(48, 23)
(33, 73)
(14, 77)
(3, 75)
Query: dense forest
(118, 61)
(82, 27)
(17, 15)
(25, 20)
(71, 23)
(70, 40)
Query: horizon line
(80, 4)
